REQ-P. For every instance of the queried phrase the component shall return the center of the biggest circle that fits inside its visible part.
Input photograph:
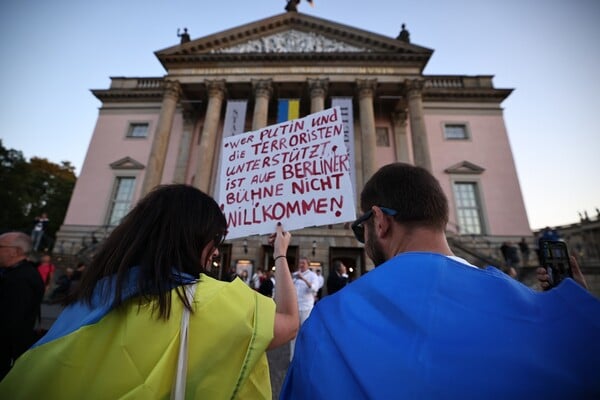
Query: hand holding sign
(295, 172)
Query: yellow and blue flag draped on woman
(97, 352)
(288, 109)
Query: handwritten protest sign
(296, 172)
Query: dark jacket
(335, 282)
(21, 294)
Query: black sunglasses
(358, 227)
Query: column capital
(366, 87)
(414, 86)
(318, 87)
(216, 88)
(262, 87)
(400, 117)
(172, 89)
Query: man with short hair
(426, 324)
(21, 293)
(307, 284)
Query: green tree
(13, 196)
(32, 188)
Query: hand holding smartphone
(554, 258)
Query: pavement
(278, 358)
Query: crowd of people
(145, 320)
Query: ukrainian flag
(288, 109)
(98, 352)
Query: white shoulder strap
(178, 390)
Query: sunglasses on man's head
(359, 229)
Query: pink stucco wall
(489, 148)
(91, 196)
(385, 155)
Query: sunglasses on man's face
(358, 226)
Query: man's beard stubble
(373, 249)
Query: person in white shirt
(257, 278)
(307, 284)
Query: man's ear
(381, 222)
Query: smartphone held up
(554, 257)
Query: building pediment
(292, 34)
(292, 41)
(126, 163)
(464, 167)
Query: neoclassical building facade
(153, 130)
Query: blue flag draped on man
(427, 324)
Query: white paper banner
(296, 172)
(345, 104)
(235, 119)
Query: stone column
(158, 153)
(262, 94)
(420, 146)
(183, 156)
(399, 119)
(366, 91)
(318, 92)
(208, 140)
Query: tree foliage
(30, 188)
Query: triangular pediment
(292, 33)
(292, 41)
(126, 163)
(464, 167)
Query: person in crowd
(524, 249)
(245, 277)
(306, 284)
(21, 293)
(549, 234)
(79, 270)
(39, 227)
(338, 278)
(321, 281)
(67, 283)
(63, 286)
(426, 324)
(267, 284)
(511, 259)
(145, 305)
(258, 277)
(46, 270)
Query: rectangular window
(383, 137)
(468, 208)
(137, 130)
(455, 132)
(121, 201)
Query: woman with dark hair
(145, 314)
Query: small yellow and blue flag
(288, 109)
